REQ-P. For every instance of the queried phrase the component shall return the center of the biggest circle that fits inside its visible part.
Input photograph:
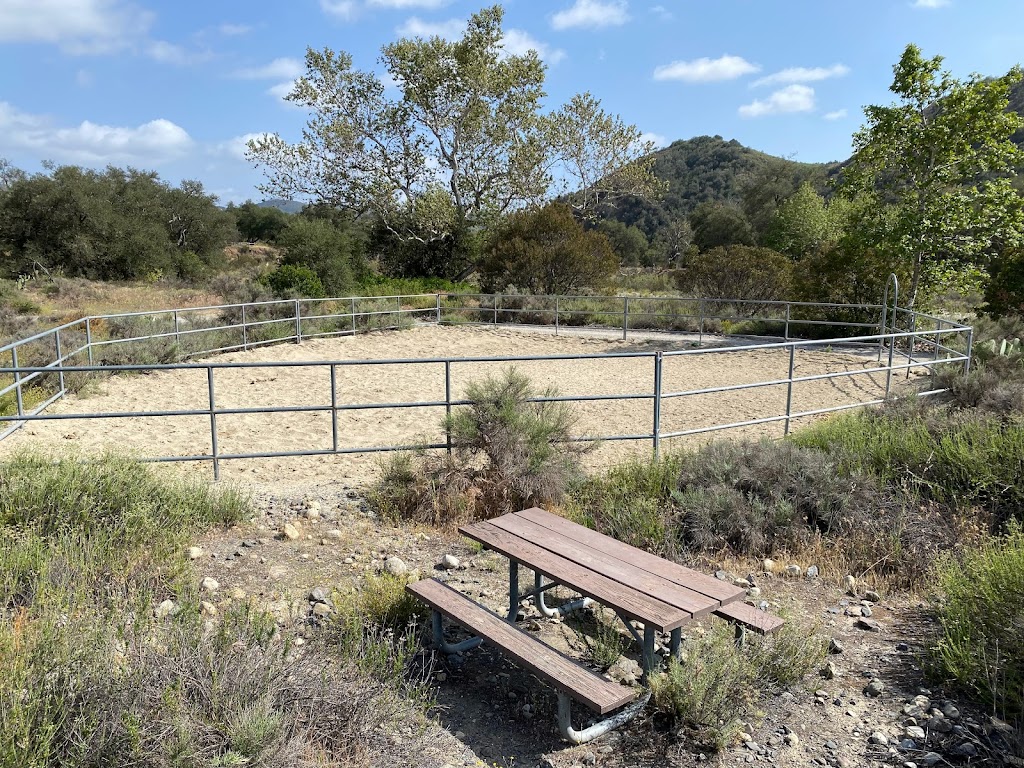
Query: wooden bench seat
(558, 670)
(750, 618)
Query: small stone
(207, 608)
(949, 710)
(449, 562)
(922, 702)
(768, 565)
(396, 566)
(940, 725)
(879, 738)
(828, 671)
(812, 572)
(902, 647)
(791, 740)
(721, 575)
(318, 595)
(754, 592)
(851, 585)
(194, 553)
(869, 624)
(321, 609)
(589, 758)
(835, 647)
(931, 758)
(794, 571)
(743, 583)
(865, 610)
(348, 561)
(312, 509)
(237, 593)
(908, 744)
(165, 609)
(209, 584)
(875, 687)
(289, 532)
(334, 533)
(915, 732)
(966, 750)
(872, 596)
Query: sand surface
(258, 387)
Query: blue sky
(177, 87)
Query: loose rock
(851, 585)
(879, 738)
(165, 609)
(872, 596)
(835, 647)
(209, 584)
(875, 687)
(869, 624)
(290, 532)
(194, 553)
(794, 570)
(812, 572)
(396, 566)
(208, 608)
(449, 562)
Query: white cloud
(706, 70)
(234, 30)
(659, 140)
(341, 9)
(427, 4)
(839, 114)
(792, 98)
(84, 78)
(278, 69)
(90, 143)
(592, 14)
(281, 90)
(416, 27)
(662, 12)
(236, 146)
(930, 3)
(802, 75)
(77, 26)
(517, 43)
(169, 53)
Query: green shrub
(295, 279)
(382, 603)
(982, 620)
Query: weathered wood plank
(630, 602)
(687, 577)
(621, 571)
(555, 668)
(752, 618)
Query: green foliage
(937, 169)
(259, 222)
(717, 685)
(333, 252)
(719, 224)
(629, 243)
(509, 452)
(441, 257)
(546, 251)
(961, 458)
(738, 272)
(1004, 292)
(804, 224)
(382, 603)
(982, 617)
(115, 224)
(291, 280)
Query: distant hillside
(708, 169)
(288, 206)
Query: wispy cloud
(658, 139)
(706, 70)
(662, 12)
(80, 27)
(802, 75)
(417, 27)
(592, 14)
(234, 30)
(91, 143)
(279, 69)
(517, 43)
(930, 3)
(339, 9)
(171, 53)
(838, 114)
(792, 98)
(236, 146)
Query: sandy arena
(254, 387)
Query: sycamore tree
(458, 142)
(937, 168)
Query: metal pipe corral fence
(213, 329)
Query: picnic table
(637, 586)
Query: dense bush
(982, 619)
(294, 280)
(546, 251)
(333, 252)
(259, 222)
(738, 272)
(508, 453)
(719, 224)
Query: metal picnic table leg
(677, 636)
(513, 590)
(449, 648)
(648, 659)
(561, 610)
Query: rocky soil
(870, 704)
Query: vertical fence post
(245, 331)
(967, 362)
(352, 314)
(448, 401)
(88, 338)
(398, 317)
(438, 308)
(334, 408)
(789, 386)
(556, 315)
(700, 328)
(495, 301)
(888, 373)
(788, 305)
(657, 404)
(625, 316)
(881, 324)
(59, 361)
(213, 424)
(298, 322)
(177, 329)
(17, 381)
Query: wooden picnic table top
(633, 582)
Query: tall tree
(938, 168)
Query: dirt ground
(491, 713)
(424, 382)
